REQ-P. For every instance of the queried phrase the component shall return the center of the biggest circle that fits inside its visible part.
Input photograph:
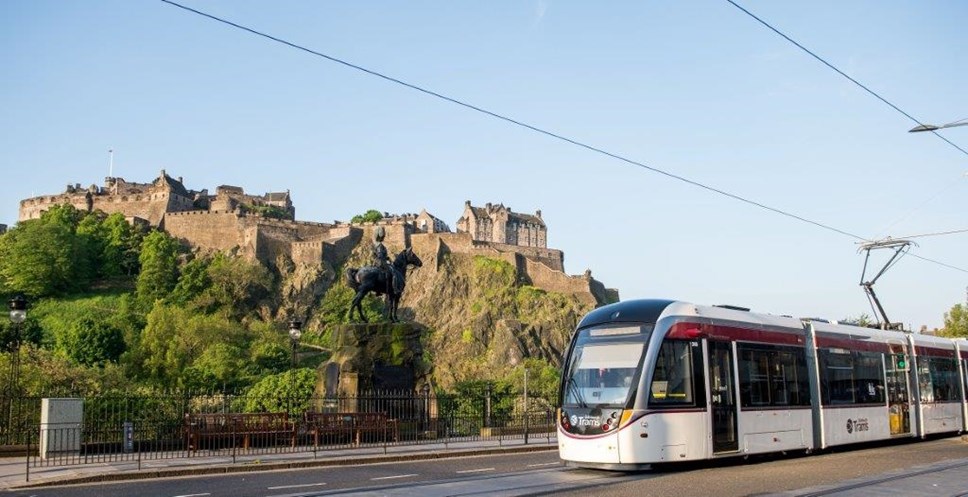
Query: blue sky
(697, 89)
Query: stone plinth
(380, 357)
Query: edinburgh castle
(264, 228)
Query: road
(541, 473)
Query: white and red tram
(648, 381)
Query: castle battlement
(232, 220)
(198, 213)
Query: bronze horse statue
(373, 279)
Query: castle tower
(499, 224)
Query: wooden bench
(244, 427)
(354, 424)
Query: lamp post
(18, 313)
(935, 127)
(295, 333)
(425, 390)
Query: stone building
(147, 201)
(151, 202)
(263, 228)
(498, 224)
(231, 198)
(427, 223)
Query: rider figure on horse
(381, 260)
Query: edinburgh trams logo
(583, 421)
(859, 424)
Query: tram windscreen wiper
(576, 392)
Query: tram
(654, 381)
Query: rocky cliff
(484, 312)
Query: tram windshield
(604, 365)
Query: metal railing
(182, 425)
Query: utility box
(60, 427)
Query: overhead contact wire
(842, 73)
(519, 123)
(528, 126)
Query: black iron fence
(180, 425)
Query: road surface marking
(543, 464)
(393, 477)
(296, 486)
(475, 470)
(192, 495)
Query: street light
(295, 333)
(935, 127)
(18, 313)
(425, 389)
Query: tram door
(898, 399)
(723, 397)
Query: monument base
(372, 360)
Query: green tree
(542, 379)
(122, 246)
(268, 356)
(92, 238)
(159, 267)
(217, 367)
(956, 322)
(50, 373)
(237, 286)
(92, 342)
(29, 333)
(370, 216)
(176, 343)
(289, 391)
(192, 281)
(43, 257)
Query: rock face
(469, 312)
(484, 318)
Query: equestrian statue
(382, 277)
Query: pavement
(931, 480)
(948, 477)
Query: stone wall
(151, 206)
(272, 240)
(341, 245)
(32, 208)
(542, 267)
(585, 287)
(430, 248)
(334, 246)
(309, 252)
(212, 230)
(464, 243)
(303, 229)
(164, 204)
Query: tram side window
(772, 376)
(838, 376)
(938, 379)
(677, 379)
(851, 377)
(868, 377)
